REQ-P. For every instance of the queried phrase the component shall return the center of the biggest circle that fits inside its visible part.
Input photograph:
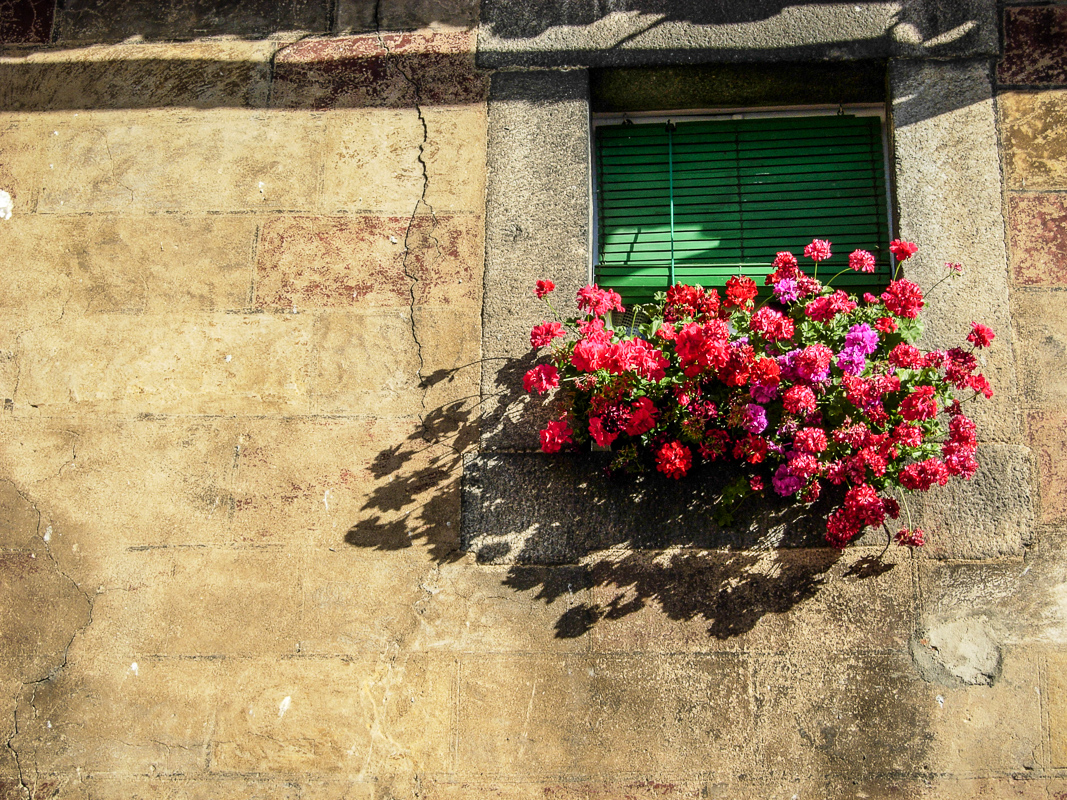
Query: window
(697, 200)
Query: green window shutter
(734, 193)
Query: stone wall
(267, 299)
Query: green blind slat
(742, 191)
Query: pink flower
(954, 266)
(818, 250)
(543, 288)
(980, 335)
(541, 378)
(902, 250)
(544, 333)
(556, 434)
(861, 261)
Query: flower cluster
(811, 388)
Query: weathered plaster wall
(247, 339)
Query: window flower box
(806, 390)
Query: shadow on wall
(110, 21)
(393, 70)
(629, 543)
(535, 17)
(76, 22)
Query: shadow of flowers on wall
(599, 548)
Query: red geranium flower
(556, 434)
(541, 378)
(818, 250)
(911, 538)
(594, 300)
(674, 459)
(543, 334)
(740, 292)
(861, 261)
(920, 404)
(902, 250)
(980, 335)
(903, 298)
(543, 288)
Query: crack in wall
(111, 163)
(406, 267)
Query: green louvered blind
(720, 198)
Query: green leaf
(911, 330)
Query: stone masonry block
(987, 729)
(576, 715)
(365, 362)
(393, 70)
(372, 161)
(568, 790)
(203, 364)
(1041, 327)
(781, 600)
(314, 717)
(555, 33)
(109, 161)
(487, 609)
(537, 226)
(27, 22)
(199, 74)
(194, 601)
(1035, 46)
(1014, 787)
(356, 16)
(533, 508)
(36, 632)
(1013, 604)
(818, 716)
(22, 159)
(948, 187)
(106, 263)
(374, 482)
(362, 600)
(189, 787)
(1048, 438)
(1057, 708)
(1034, 129)
(106, 21)
(1037, 238)
(102, 485)
(155, 717)
(20, 521)
(989, 516)
(362, 262)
